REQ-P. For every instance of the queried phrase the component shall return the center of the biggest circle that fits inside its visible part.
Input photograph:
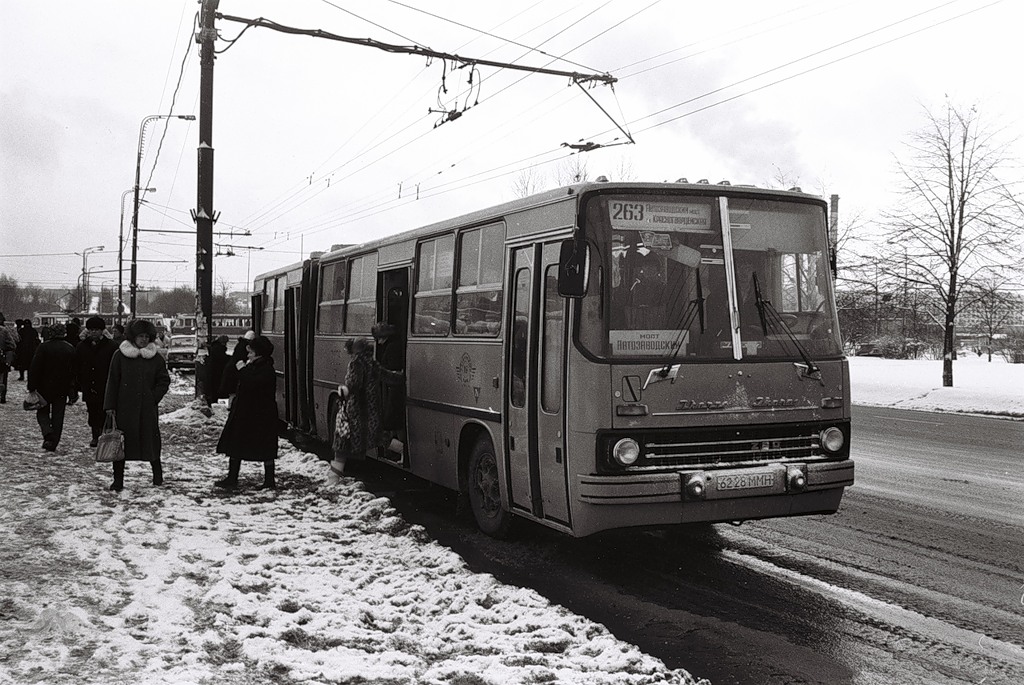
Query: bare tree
(528, 182)
(222, 302)
(572, 169)
(993, 306)
(624, 170)
(781, 178)
(958, 221)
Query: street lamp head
(187, 117)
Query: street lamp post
(135, 211)
(85, 273)
(120, 255)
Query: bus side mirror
(573, 268)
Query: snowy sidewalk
(315, 583)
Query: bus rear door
(536, 378)
(292, 332)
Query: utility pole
(204, 215)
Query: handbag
(34, 401)
(110, 444)
(342, 429)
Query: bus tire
(484, 493)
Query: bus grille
(727, 446)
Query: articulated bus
(604, 355)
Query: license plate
(745, 481)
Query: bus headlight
(626, 451)
(832, 439)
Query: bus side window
(520, 339)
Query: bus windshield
(669, 283)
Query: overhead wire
(806, 71)
(779, 81)
(491, 35)
(369, 147)
(557, 33)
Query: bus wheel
(484, 494)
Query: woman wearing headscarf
(362, 409)
(137, 382)
(250, 433)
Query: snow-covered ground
(979, 386)
(318, 582)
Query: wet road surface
(918, 579)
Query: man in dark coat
(52, 375)
(391, 355)
(8, 346)
(26, 347)
(94, 354)
(250, 433)
(216, 362)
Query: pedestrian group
(121, 377)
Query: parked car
(181, 352)
(869, 350)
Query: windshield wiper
(695, 308)
(772, 322)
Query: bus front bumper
(728, 494)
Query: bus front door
(536, 379)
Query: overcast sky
(320, 142)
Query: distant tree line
(22, 301)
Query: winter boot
(158, 472)
(231, 481)
(268, 476)
(118, 484)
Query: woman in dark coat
(137, 382)
(27, 345)
(239, 358)
(250, 433)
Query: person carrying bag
(110, 443)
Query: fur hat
(95, 323)
(139, 327)
(261, 346)
(250, 335)
(58, 330)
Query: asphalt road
(918, 579)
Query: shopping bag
(34, 401)
(110, 444)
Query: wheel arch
(470, 434)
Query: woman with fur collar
(137, 382)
